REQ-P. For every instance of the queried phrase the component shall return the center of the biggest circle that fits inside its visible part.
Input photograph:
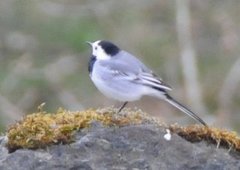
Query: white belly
(114, 90)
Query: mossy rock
(42, 129)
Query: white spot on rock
(168, 135)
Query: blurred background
(194, 46)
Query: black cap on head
(110, 48)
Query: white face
(98, 51)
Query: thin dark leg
(124, 104)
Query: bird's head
(103, 49)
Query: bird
(123, 77)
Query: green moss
(41, 129)
(197, 133)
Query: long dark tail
(178, 105)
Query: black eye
(95, 48)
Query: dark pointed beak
(89, 43)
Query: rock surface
(130, 147)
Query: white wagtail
(121, 76)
